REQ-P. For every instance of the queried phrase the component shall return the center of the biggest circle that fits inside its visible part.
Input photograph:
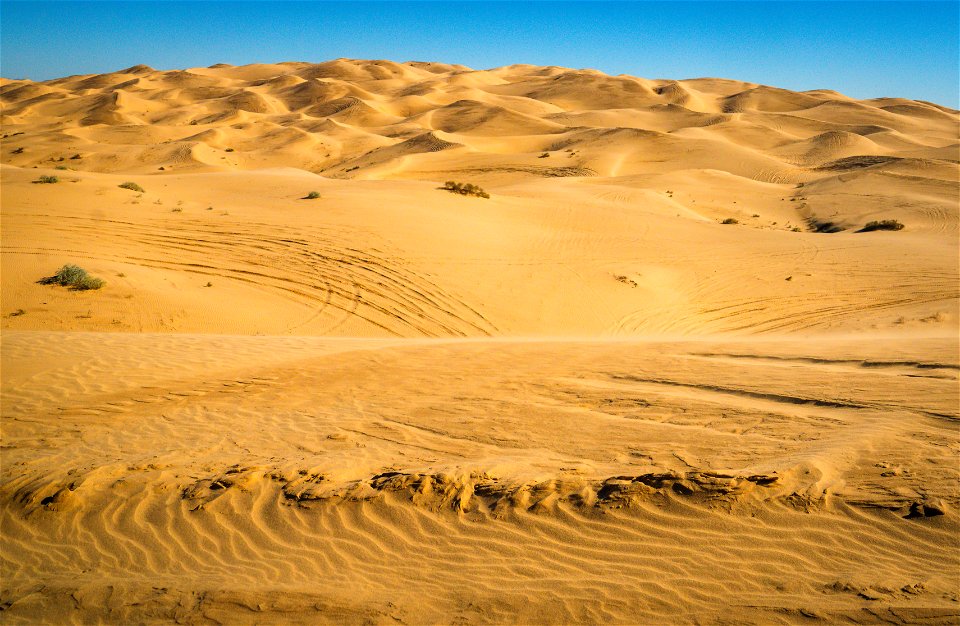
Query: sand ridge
(332, 468)
(374, 119)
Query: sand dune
(454, 99)
(431, 481)
(584, 399)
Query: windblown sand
(581, 400)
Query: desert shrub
(88, 282)
(313, 195)
(823, 227)
(229, 150)
(73, 276)
(61, 167)
(17, 151)
(465, 189)
(796, 229)
(47, 180)
(131, 186)
(730, 220)
(881, 225)
(543, 155)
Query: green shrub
(131, 186)
(88, 282)
(74, 277)
(730, 220)
(465, 189)
(881, 225)
(47, 180)
(313, 195)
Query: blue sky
(863, 49)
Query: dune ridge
(512, 517)
(393, 101)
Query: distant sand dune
(365, 95)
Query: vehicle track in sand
(334, 281)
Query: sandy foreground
(581, 400)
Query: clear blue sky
(863, 49)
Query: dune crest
(368, 96)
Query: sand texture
(584, 399)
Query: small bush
(17, 151)
(313, 195)
(61, 167)
(88, 282)
(229, 150)
(881, 225)
(75, 157)
(47, 180)
(131, 186)
(543, 155)
(824, 227)
(74, 277)
(465, 189)
(730, 220)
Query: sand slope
(606, 193)
(584, 399)
(434, 481)
(402, 258)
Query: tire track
(314, 269)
